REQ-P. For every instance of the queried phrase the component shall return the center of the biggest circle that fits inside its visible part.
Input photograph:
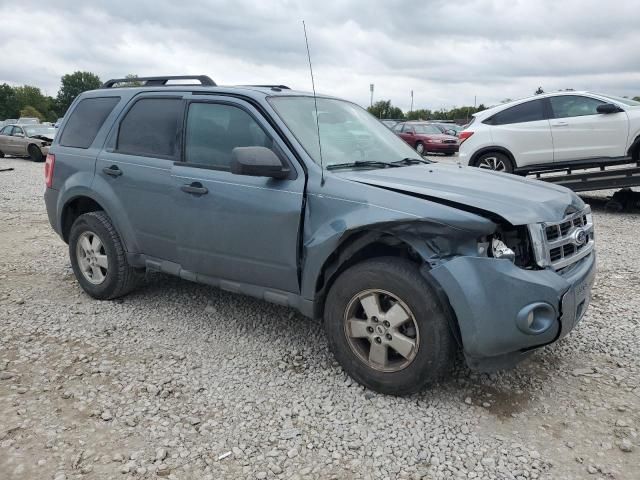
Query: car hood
(44, 136)
(518, 200)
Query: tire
(495, 161)
(397, 284)
(118, 278)
(420, 148)
(1, 154)
(448, 154)
(35, 153)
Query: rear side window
(151, 128)
(525, 112)
(85, 121)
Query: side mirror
(608, 108)
(257, 162)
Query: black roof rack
(204, 80)
(282, 87)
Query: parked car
(28, 121)
(58, 122)
(26, 140)
(425, 137)
(404, 259)
(554, 130)
(9, 121)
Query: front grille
(563, 243)
(450, 141)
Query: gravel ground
(183, 381)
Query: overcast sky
(447, 52)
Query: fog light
(536, 318)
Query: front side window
(151, 128)
(86, 120)
(525, 112)
(408, 128)
(566, 106)
(348, 133)
(17, 131)
(215, 129)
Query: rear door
(6, 141)
(580, 132)
(524, 130)
(135, 171)
(242, 228)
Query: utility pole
(371, 89)
(411, 109)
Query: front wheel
(420, 148)
(496, 161)
(35, 153)
(98, 258)
(387, 328)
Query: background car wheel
(387, 328)
(1, 154)
(35, 153)
(448, 154)
(420, 148)
(98, 258)
(494, 161)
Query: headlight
(500, 250)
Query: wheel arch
(72, 209)
(634, 148)
(491, 149)
(368, 244)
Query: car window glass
(398, 127)
(6, 130)
(17, 131)
(151, 128)
(427, 129)
(525, 112)
(214, 130)
(566, 106)
(408, 129)
(86, 120)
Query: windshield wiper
(411, 161)
(362, 163)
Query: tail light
(464, 135)
(48, 169)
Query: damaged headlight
(500, 250)
(509, 243)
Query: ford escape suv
(318, 206)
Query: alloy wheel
(492, 163)
(92, 257)
(381, 330)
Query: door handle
(195, 188)
(560, 124)
(113, 171)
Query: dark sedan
(426, 137)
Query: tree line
(384, 109)
(29, 101)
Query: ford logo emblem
(580, 237)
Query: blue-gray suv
(312, 203)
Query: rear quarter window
(86, 120)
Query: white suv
(554, 130)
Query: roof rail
(204, 80)
(282, 87)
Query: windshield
(348, 132)
(39, 130)
(624, 101)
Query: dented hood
(516, 199)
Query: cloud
(446, 52)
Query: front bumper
(489, 296)
(441, 147)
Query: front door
(235, 227)
(580, 132)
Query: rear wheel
(420, 148)
(386, 327)
(98, 258)
(1, 154)
(496, 161)
(35, 153)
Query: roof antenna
(315, 102)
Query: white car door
(580, 132)
(524, 130)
